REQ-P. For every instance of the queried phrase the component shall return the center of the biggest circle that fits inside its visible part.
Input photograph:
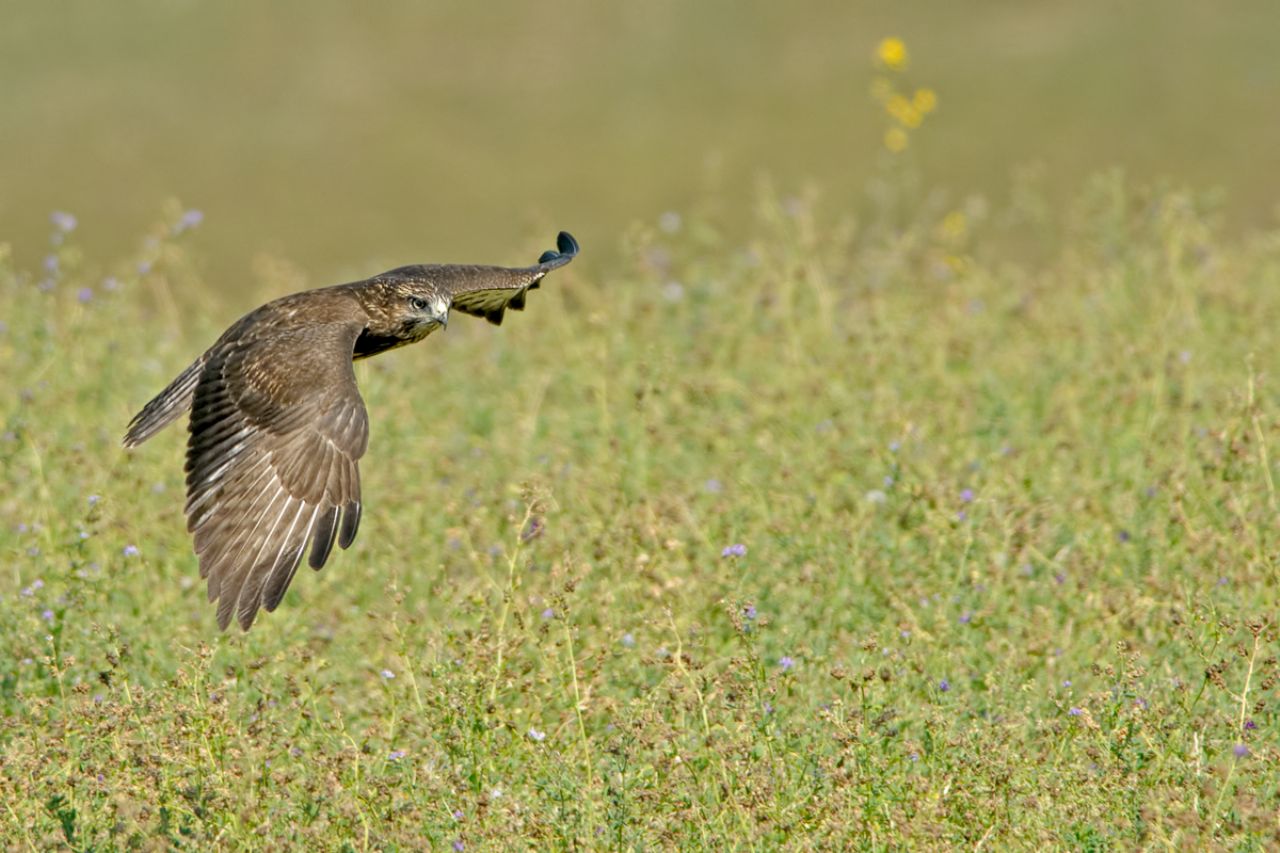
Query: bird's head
(405, 309)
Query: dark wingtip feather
(566, 250)
(326, 534)
(350, 524)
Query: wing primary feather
(326, 534)
(350, 524)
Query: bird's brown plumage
(278, 426)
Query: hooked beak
(442, 317)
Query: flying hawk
(278, 427)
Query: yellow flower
(895, 139)
(892, 53)
(925, 100)
(903, 112)
(955, 226)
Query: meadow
(893, 470)
(857, 533)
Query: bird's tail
(165, 407)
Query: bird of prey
(278, 427)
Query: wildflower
(961, 515)
(925, 100)
(892, 53)
(549, 613)
(1240, 750)
(749, 611)
(895, 139)
(532, 530)
(85, 294)
(188, 220)
(1075, 712)
(388, 674)
(955, 227)
(93, 499)
(944, 685)
(63, 221)
(131, 550)
(888, 481)
(966, 617)
(903, 112)
(966, 496)
(458, 846)
(628, 640)
(713, 486)
(536, 735)
(396, 755)
(1250, 725)
(51, 264)
(47, 615)
(1123, 536)
(786, 663)
(458, 815)
(735, 550)
(1066, 683)
(767, 706)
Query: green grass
(1010, 518)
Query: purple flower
(966, 617)
(1075, 712)
(1123, 536)
(628, 640)
(961, 515)
(532, 530)
(749, 611)
(93, 499)
(536, 735)
(85, 294)
(63, 221)
(549, 613)
(1066, 683)
(131, 550)
(458, 846)
(966, 496)
(735, 550)
(786, 663)
(1240, 750)
(458, 815)
(1250, 725)
(396, 755)
(190, 219)
(388, 674)
(47, 615)
(944, 685)
(51, 264)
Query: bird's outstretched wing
(489, 291)
(277, 429)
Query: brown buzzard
(277, 425)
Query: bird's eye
(417, 303)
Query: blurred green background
(349, 136)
